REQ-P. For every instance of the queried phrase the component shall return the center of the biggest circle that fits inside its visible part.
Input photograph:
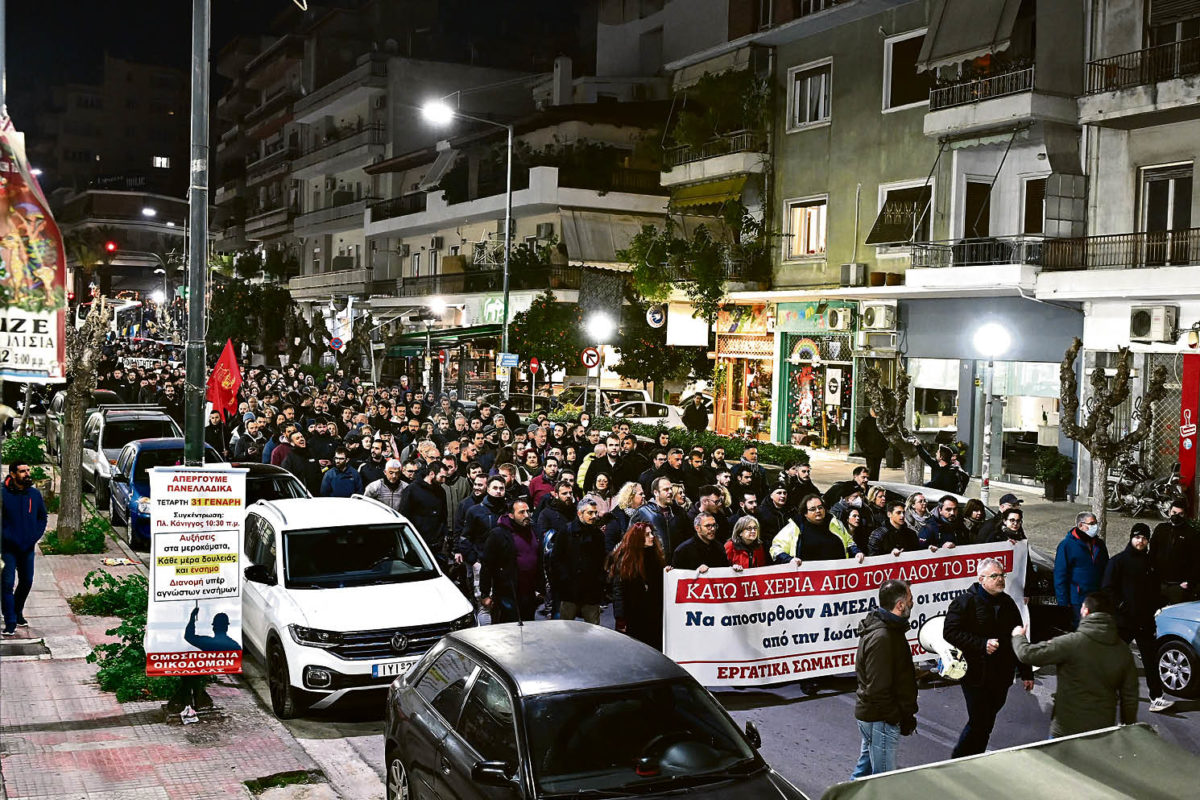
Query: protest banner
(194, 622)
(785, 623)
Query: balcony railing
(275, 102)
(733, 271)
(1176, 248)
(491, 280)
(1142, 67)
(621, 179)
(737, 142)
(360, 75)
(334, 147)
(351, 208)
(399, 206)
(1015, 81)
(977, 252)
(327, 280)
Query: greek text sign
(784, 623)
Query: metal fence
(491, 280)
(1123, 251)
(736, 142)
(1141, 67)
(974, 91)
(981, 251)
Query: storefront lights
(992, 340)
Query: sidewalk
(62, 737)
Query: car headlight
(312, 637)
(1157, 612)
(465, 621)
(143, 505)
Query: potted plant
(1055, 471)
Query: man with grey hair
(387, 489)
(979, 623)
(577, 567)
(1079, 563)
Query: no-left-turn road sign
(590, 357)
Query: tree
(254, 313)
(86, 247)
(549, 330)
(83, 348)
(1097, 435)
(891, 408)
(645, 355)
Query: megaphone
(950, 659)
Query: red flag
(224, 382)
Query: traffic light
(110, 246)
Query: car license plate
(391, 669)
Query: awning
(445, 337)
(709, 194)
(905, 212)
(961, 30)
(595, 238)
(441, 165)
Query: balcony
(269, 221)
(491, 280)
(228, 192)
(368, 79)
(235, 102)
(1123, 251)
(339, 216)
(350, 281)
(738, 153)
(619, 179)
(340, 152)
(994, 102)
(270, 115)
(273, 165)
(399, 206)
(1158, 84)
(989, 263)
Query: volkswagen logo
(399, 643)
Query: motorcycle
(1132, 490)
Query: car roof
(562, 656)
(326, 512)
(257, 469)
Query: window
(1035, 206)
(1167, 214)
(445, 683)
(433, 262)
(904, 213)
(903, 86)
(977, 210)
(805, 225)
(416, 265)
(810, 90)
(162, 162)
(487, 720)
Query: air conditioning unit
(838, 319)
(436, 243)
(878, 316)
(545, 230)
(403, 250)
(1152, 323)
(854, 274)
(875, 341)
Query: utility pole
(193, 428)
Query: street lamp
(439, 113)
(149, 212)
(600, 329)
(991, 340)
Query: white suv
(341, 595)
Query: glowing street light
(991, 340)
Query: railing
(332, 148)
(976, 252)
(266, 216)
(275, 102)
(732, 271)
(275, 156)
(359, 75)
(491, 280)
(1014, 81)
(621, 179)
(399, 206)
(1141, 67)
(1124, 251)
(326, 280)
(318, 216)
(736, 142)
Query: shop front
(817, 375)
(742, 381)
(461, 359)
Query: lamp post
(439, 112)
(600, 329)
(991, 340)
(437, 308)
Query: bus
(126, 317)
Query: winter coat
(457, 489)
(770, 522)
(539, 487)
(1175, 551)
(946, 478)
(695, 418)
(614, 531)
(992, 531)
(887, 679)
(1096, 674)
(1132, 583)
(388, 494)
(869, 439)
(938, 531)
(976, 616)
(577, 566)
(1079, 565)
(511, 560)
(341, 482)
(481, 518)
(639, 601)
(885, 539)
(696, 552)
(371, 471)
(424, 505)
(303, 464)
(24, 517)
(556, 517)
(629, 467)
(665, 522)
(460, 514)
(739, 555)
(810, 542)
(797, 489)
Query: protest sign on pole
(784, 623)
(194, 622)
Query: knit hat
(1140, 529)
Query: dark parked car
(129, 493)
(269, 482)
(563, 709)
(54, 416)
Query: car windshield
(354, 555)
(275, 487)
(118, 433)
(630, 737)
(168, 457)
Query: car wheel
(398, 781)
(1177, 668)
(283, 696)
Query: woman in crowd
(602, 494)
(972, 518)
(851, 527)
(744, 548)
(916, 511)
(873, 513)
(637, 570)
(629, 499)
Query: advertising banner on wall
(194, 622)
(785, 623)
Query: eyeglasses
(815, 508)
(995, 576)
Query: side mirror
(753, 737)
(493, 773)
(89, 444)
(258, 573)
(119, 478)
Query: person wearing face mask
(1079, 563)
(1175, 553)
(1131, 582)
(886, 703)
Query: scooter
(1130, 489)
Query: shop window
(935, 409)
(811, 89)
(805, 222)
(903, 86)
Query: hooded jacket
(1132, 583)
(1097, 677)
(1079, 565)
(887, 679)
(425, 506)
(24, 517)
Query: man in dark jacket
(980, 623)
(943, 528)
(772, 516)
(480, 519)
(944, 473)
(1175, 551)
(24, 522)
(695, 417)
(341, 480)
(991, 530)
(303, 464)
(371, 469)
(1132, 583)
(797, 479)
(886, 704)
(478, 492)
(893, 536)
(703, 550)
(510, 572)
(577, 568)
(658, 461)
(1079, 563)
(859, 481)
(423, 502)
(631, 465)
(871, 443)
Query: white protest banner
(784, 623)
(194, 623)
